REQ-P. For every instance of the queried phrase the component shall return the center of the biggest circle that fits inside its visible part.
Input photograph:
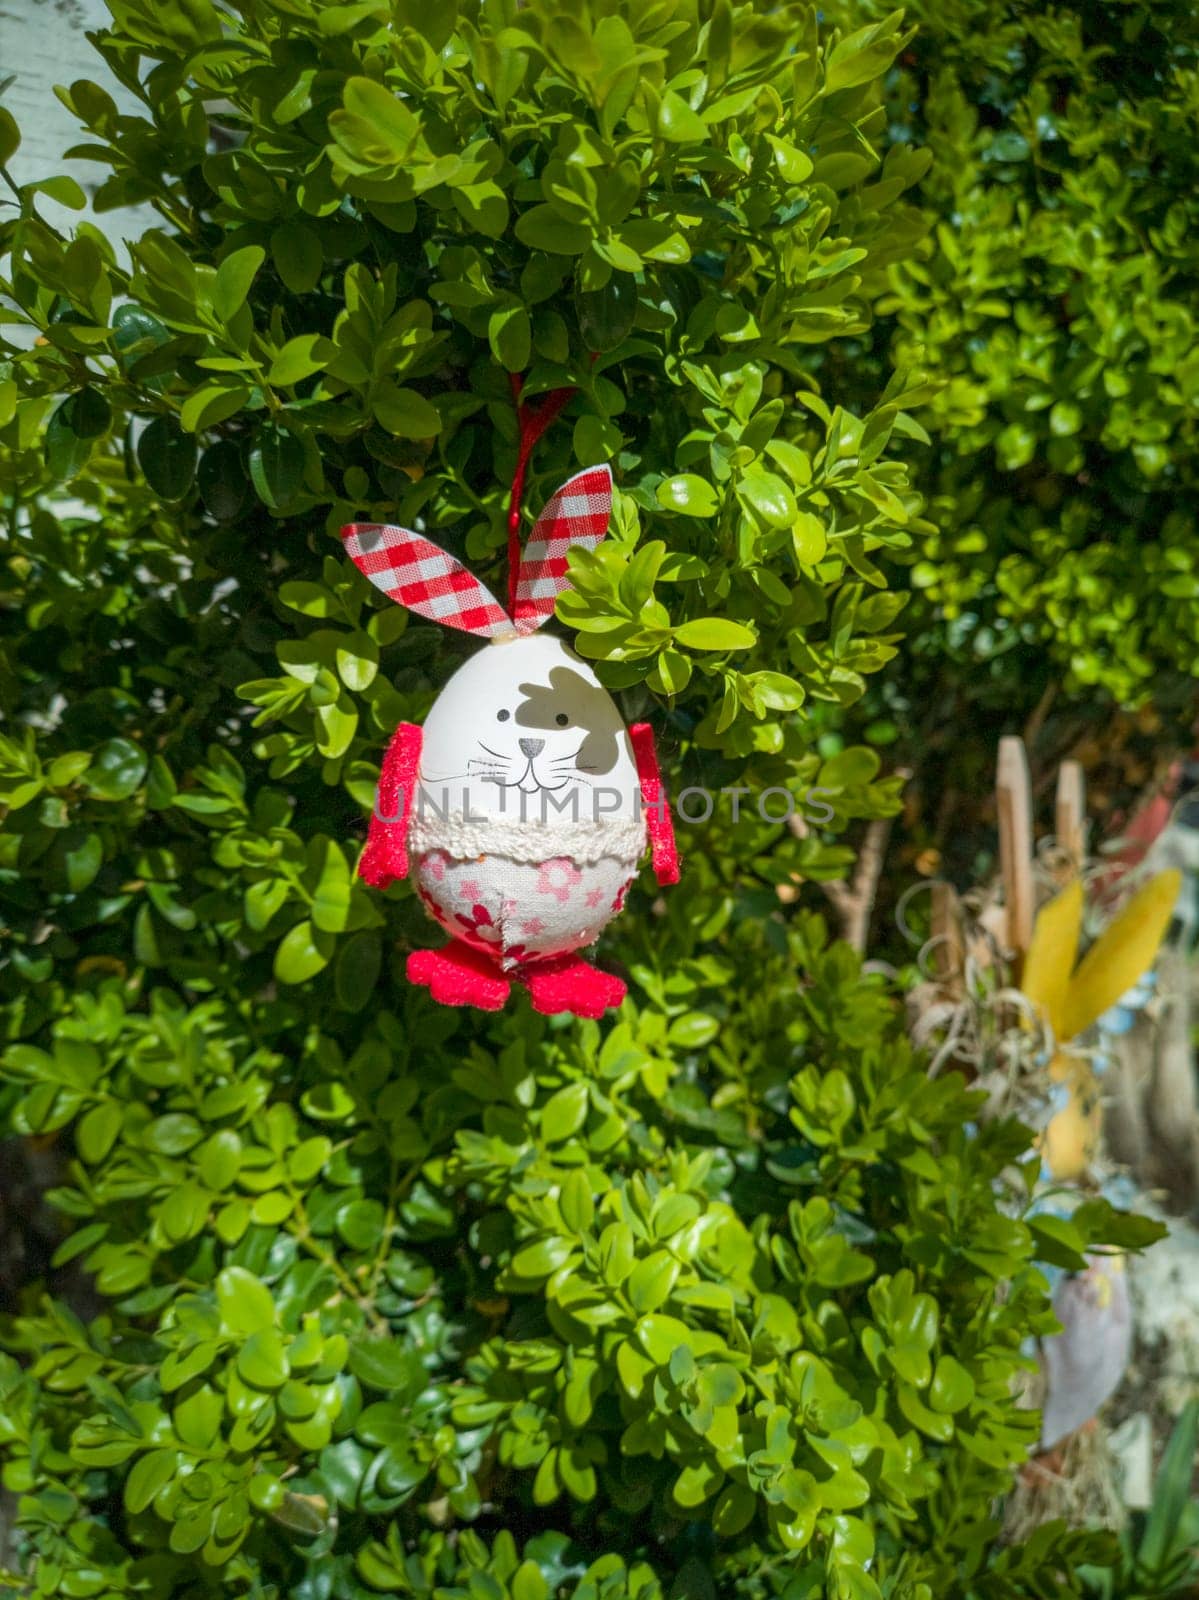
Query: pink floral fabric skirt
(519, 911)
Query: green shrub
(1054, 303)
(752, 1307)
(723, 1296)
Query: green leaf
(301, 954)
(97, 1131)
(660, 1336)
(714, 633)
(510, 335)
(297, 256)
(82, 856)
(148, 1475)
(769, 496)
(261, 1361)
(794, 164)
(776, 691)
(232, 1220)
(404, 412)
(197, 1419)
(266, 1491)
(697, 1483)
(309, 599)
(331, 897)
(1101, 1223)
(309, 1159)
(693, 1030)
(575, 1203)
(577, 1473)
(564, 1113)
(540, 1259)
(357, 657)
(543, 228)
(183, 1213)
(528, 1583)
(671, 673)
(78, 421)
(234, 277)
(173, 1134)
(606, 315)
(687, 493)
(651, 1281)
(276, 465)
(264, 900)
(386, 1365)
(167, 458)
(117, 770)
(361, 1223)
(936, 1424)
(213, 403)
(860, 57)
(65, 190)
(244, 1301)
(10, 137)
(219, 1159)
(222, 481)
(809, 539)
(678, 123)
(300, 358)
(374, 126)
(619, 254)
(484, 207)
(356, 974)
(1163, 1534)
(734, 1511)
(952, 1387)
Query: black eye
(502, 716)
(562, 719)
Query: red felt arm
(386, 855)
(664, 853)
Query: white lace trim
(618, 838)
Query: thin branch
(854, 902)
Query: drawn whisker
(495, 753)
(449, 777)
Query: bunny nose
(531, 747)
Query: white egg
(525, 729)
(527, 825)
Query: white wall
(43, 43)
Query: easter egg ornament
(522, 809)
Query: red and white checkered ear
(424, 578)
(576, 515)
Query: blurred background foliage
(724, 1296)
(1053, 304)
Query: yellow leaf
(1123, 953)
(1051, 955)
(1070, 1141)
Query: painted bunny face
(524, 729)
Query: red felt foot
(459, 976)
(564, 983)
